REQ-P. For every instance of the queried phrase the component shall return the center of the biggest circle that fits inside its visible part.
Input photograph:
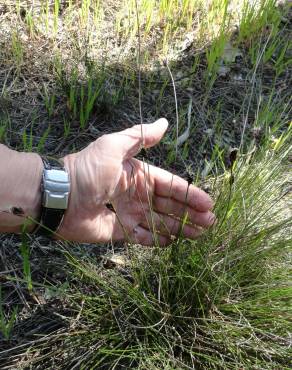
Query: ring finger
(168, 226)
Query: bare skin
(147, 204)
(146, 200)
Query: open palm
(117, 197)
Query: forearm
(20, 193)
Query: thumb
(133, 139)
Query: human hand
(149, 203)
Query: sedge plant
(222, 301)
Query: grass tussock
(223, 301)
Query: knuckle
(105, 139)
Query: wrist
(69, 165)
(20, 191)
(66, 224)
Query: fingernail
(162, 122)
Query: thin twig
(139, 71)
(176, 107)
(252, 89)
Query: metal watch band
(55, 193)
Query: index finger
(171, 186)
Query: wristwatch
(55, 189)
